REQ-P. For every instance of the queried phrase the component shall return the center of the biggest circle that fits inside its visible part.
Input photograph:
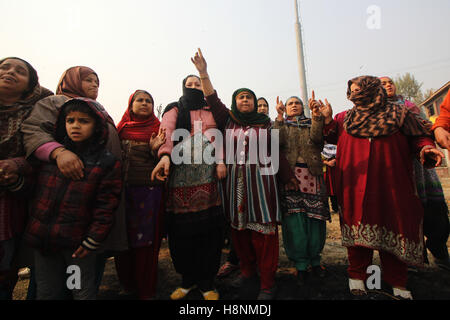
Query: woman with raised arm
(306, 211)
(375, 186)
(19, 91)
(194, 205)
(251, 198)
(141, 136)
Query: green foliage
(409, 88)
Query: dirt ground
(430, 283)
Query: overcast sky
(147, 44)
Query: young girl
(70, 219)
(137, 267)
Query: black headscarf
(192, 99)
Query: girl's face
(14, 77)
(142, 105)
(79, 126)
(389, 86)
(294, 107)
(245, 102)
(263, 107)
(193, 83)
(90, 86)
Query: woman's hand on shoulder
(68, 163)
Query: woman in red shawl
(137, 267)
(380, 210)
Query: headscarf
(70, 82)
(300, 120)
(252, 118)
(11, 117)
(98, 140)
(374, 116)
(134, 128)
(192, 99)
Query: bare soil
(430, 283)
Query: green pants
(303, 239)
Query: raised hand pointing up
(200, 63)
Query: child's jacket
(66, 213)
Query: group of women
(193, 201)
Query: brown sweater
(139, 162)
(304, 142)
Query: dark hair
(80, 106)
(32, 75)
(189, 76)
(262, 98)
(141, 91)
(72, 106)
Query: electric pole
(301, 63)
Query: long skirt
(137, 267)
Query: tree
(428, 93)
(409, 88)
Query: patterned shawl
(374, 116)
(70, 82)
(133, 128)
(11, 118)
(300, 120)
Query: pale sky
(147, 44)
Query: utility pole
(301, 63)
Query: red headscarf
(133, 128)
(70, 82)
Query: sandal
(357, 287)
(180, 292)
(211, 295)
(403, 294)
(226, 269)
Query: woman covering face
(79, 82)
(374, 182)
